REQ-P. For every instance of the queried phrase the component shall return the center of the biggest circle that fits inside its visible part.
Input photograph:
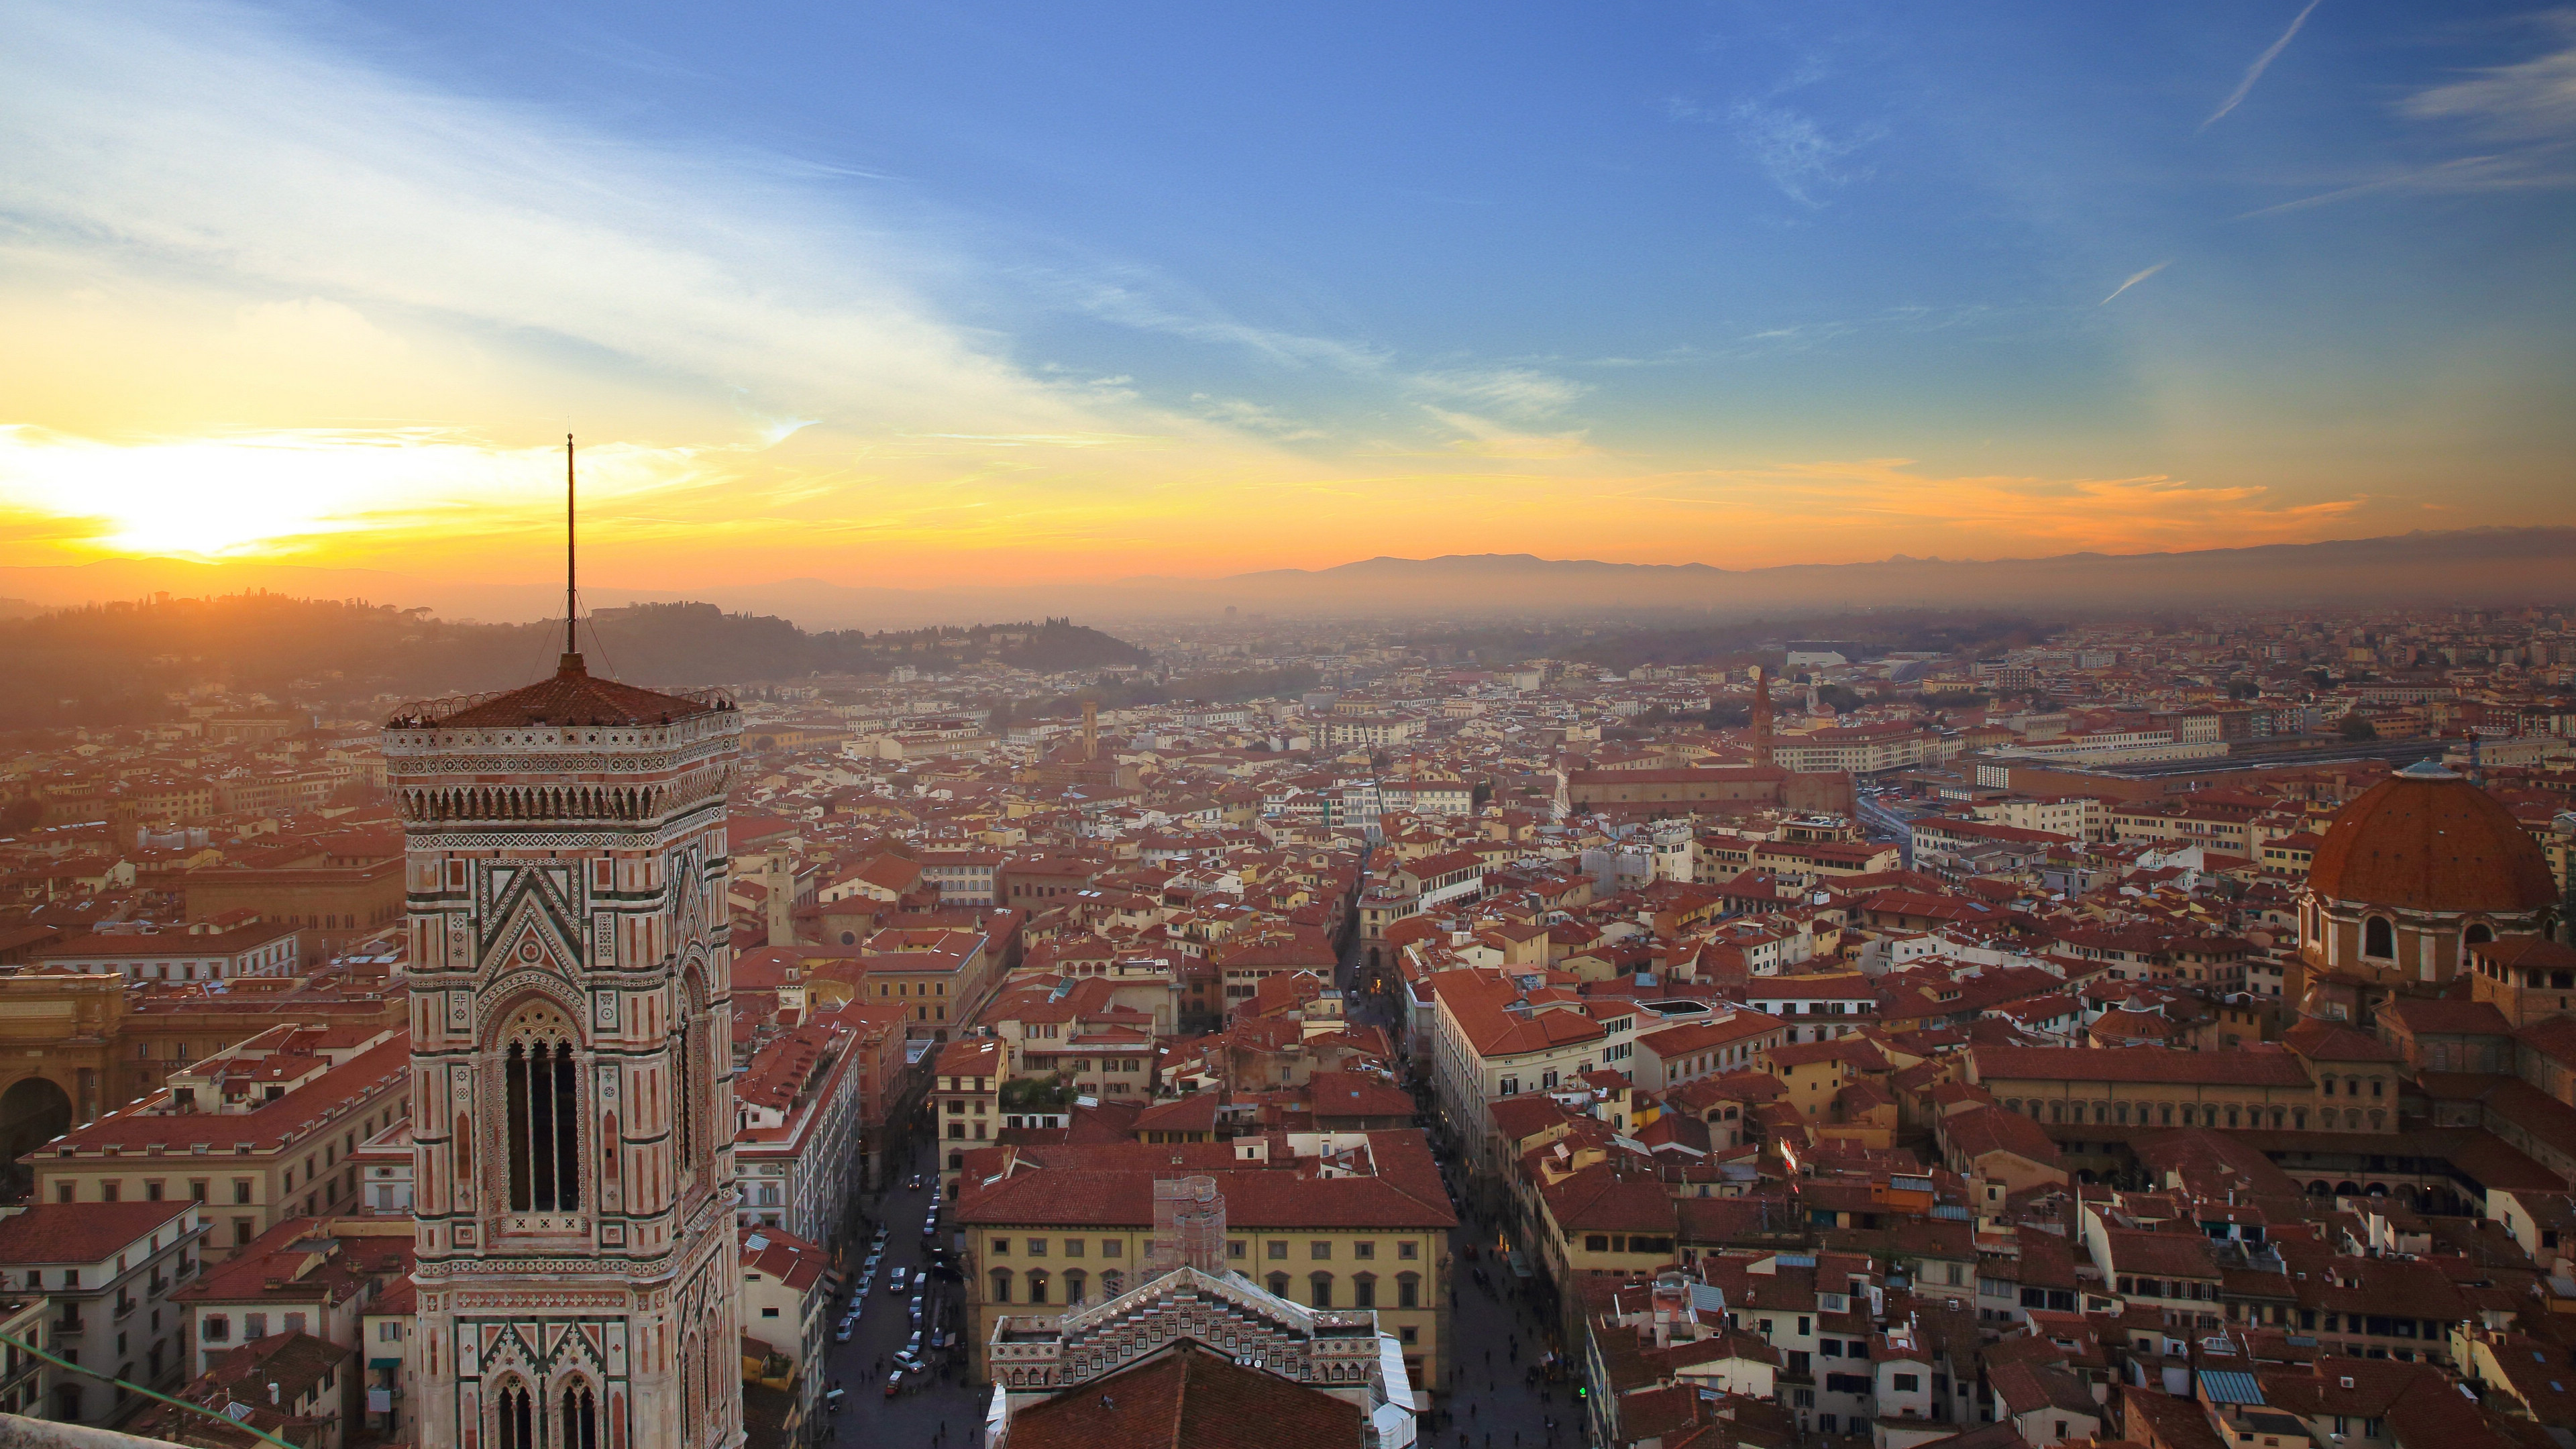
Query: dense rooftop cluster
(2144, 1032)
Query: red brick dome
(2425, 839)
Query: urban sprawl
(2155, 1033)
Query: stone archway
(33, 1112)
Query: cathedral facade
(571, 1060)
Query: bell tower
(571, 1027)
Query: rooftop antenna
(571, 661)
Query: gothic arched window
(580, 1419)
(544, 1126)
(686, 1074)
(517, 1417)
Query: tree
(2357, 726)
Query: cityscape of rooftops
(1656, 726)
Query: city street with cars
(898, 1346)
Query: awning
(377, 1363)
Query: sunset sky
(964, 293)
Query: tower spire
(571, 662)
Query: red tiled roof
(268, 1125)
(89, 1232)
(574, 696)
(1981, 1130)
(2250, 1067)
(1189, 1398)
(1112, 1183)
(2433, 844)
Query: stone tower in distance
(572, 1105)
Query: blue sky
(1739, 282)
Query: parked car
(842, 1334)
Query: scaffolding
(1189, 1226)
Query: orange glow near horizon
(919, 512)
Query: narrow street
(1496, 1394)
(941, 1411)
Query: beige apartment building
(1051, 1227)
(265, 1131)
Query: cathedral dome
(2426, 839)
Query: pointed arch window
(545, 1127)
(580, 1419)
(684, 1092)
(517, 1419)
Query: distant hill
(2485, 566)
(2473, 566)
(122, 663)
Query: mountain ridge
(2485, 565)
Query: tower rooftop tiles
(572, 695)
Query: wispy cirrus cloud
(1792, 149)
(2134, 279)
(2525, 113)
(1523, 392)
(1255, 417)
(2532, 100)
(2261, 64)
(1801, 159)
(222, 149)
(1444, 393)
